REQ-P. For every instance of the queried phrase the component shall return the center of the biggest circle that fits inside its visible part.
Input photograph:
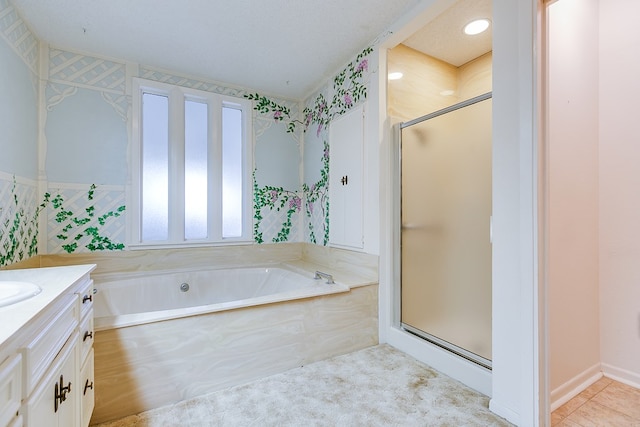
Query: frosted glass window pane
(155, 167)
(195, 170)
(231, 172)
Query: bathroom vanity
(46, 347)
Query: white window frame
(176, 96)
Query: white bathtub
(137, 298)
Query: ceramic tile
(620, 397)
(556, 419)
(338, 261)
(604, 403)
(568, 423)
(595, 388)
(593, 414)
(167, 259)
(570, 406)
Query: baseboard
(504, 412)
(621, 375)
(574, 386)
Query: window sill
(144, 246)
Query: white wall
(620, 189)
(594, 234)
(572, 108)
(18, 111)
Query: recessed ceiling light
(476, 27)
(395, 75)
(447, 92)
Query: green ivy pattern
(85, 224)
(19, 231)
(317, 196)
(349, 87)
(21, 228)
(276, 199)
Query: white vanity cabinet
(10, 391)
(48, 381)
(53, 402)
(85, 339)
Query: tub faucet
(320, 274)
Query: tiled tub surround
(147, 366)
(138, 368)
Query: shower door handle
(491, 229)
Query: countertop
(54, 281)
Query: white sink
(12, 292)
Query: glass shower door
(445, 237)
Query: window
(192, 162)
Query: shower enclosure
(445, 215)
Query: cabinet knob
(87, 298)
(87, 386)
(87, 334)
(344, 180)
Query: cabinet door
(86, 389)
(346, 140)
(45, 408)
(10, 389)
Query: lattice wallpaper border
(17, 34)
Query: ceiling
(280, 47)
(443, 38)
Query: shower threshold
(452, 348)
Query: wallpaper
(82, 166)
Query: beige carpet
(377, 386)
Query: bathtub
(139, 298)
(158, 343)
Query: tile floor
(604, 403)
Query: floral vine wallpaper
(18, 221)
(19, 231)
(80, 216)
(349, 88)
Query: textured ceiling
(443, 38)
(281, 47)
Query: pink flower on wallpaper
(347, 99)
(308, 120)
(277, 115)
(311, 207)
(274, 196)
(295, 202)
(326, 152)
(363, 65)
(319, 130)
